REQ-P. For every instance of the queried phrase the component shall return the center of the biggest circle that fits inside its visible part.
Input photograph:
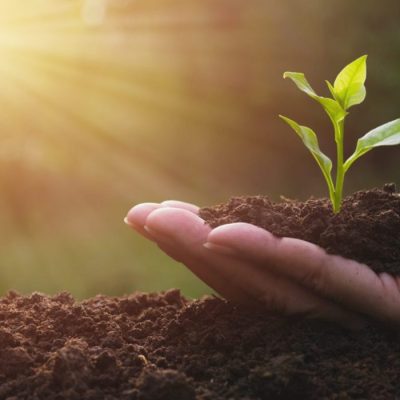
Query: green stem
(339, 128)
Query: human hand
(249, 266)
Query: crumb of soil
(164, 347)
(367, 229)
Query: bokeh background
(105, 104)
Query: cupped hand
(251, 267)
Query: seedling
(347, 90)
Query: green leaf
(332, 107)
(349, 86)
(309, 138)
(331, 89)
(385, 135)
(301, 82)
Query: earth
(367, 228)
(162, 346)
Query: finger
(178, 226)
(181, 234)
(137, 215)
(344, 281)
(180, 251)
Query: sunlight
(113, 88)
(64, 82)
(94, 11)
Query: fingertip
(177, 224)
(138, 214)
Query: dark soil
(163, 347)
(367, 228)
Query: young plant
(347, 90)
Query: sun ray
(110, 155)
(150, 92)
(111, 86)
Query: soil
(367, 228)
(162, 346)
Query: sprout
(347, 90)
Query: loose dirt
(164, 347)
(367, 228)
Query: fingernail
(228, 251)
(130, 223)
(150, 231)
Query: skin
(250, 267)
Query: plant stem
(339, 129)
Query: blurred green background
(105, 104)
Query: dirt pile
(164, 347)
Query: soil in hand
(367, 229)
(164, 347)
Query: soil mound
(164, 347)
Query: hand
(249, 266)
